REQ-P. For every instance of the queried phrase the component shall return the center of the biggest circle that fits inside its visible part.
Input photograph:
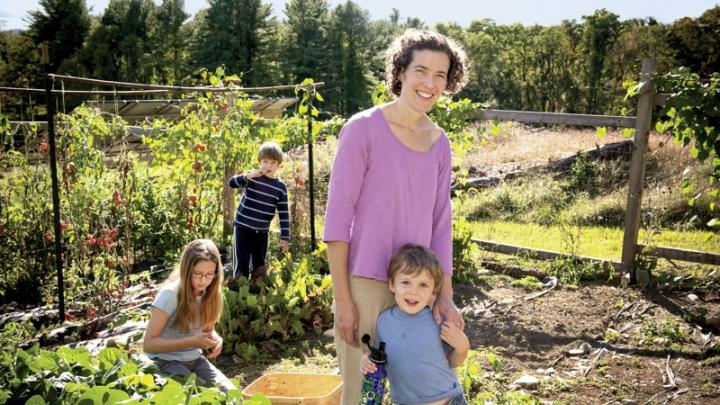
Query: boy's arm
(241, 180)
(451, 334)
(237, 181)
(284, 214)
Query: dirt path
(649, 359)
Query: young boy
(264, 194)
(421, 355)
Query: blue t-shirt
(417, 364)
(166, 301)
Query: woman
(390, 186)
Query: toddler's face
(413, 292)
(269, 166)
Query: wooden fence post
(645, 105)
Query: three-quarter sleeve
(346, 181)
(441, 242)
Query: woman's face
(424, 80)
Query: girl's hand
(451, 334)
(366, 365)
(218, 347)
(253, 173)
(284, 245)
(206, 340)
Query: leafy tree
(349, 40)
(235, 33)
(170, 41)
(64, 24)
(696, 42)
(119, 48)
(19, 60)
(599, 34)
(383, 32)
(637, 39)
(303, 46)
(19, 67)
(551, 77)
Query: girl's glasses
(200, 276)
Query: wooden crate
(297, 389)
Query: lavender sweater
(383, 195)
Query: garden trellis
(641, 123)
(137, 89)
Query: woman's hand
(346, 321)
(444, 308)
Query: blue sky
(527, 12)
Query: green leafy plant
(294, 297)
(571, 270)
(692, 114)
(667, 330)
(464, 250)
(68, 375)
(528, 283)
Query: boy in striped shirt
(264, 194)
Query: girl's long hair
(188, 313)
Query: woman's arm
(441, 243)
(346, 180)
(346, 314)
(153, 342)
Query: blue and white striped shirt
(263, 196)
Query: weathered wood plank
(534, 117)
(540, 254)
(694, 256)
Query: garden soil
(561, 339)
(591, 344)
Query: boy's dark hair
(413, 259)
(270, 151)
(400, 54)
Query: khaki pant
(371, 297)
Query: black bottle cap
(377, 355)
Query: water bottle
(373, 385)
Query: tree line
(576, 66)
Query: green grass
(594, 241)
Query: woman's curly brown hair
(400, 54)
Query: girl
(184, 313)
